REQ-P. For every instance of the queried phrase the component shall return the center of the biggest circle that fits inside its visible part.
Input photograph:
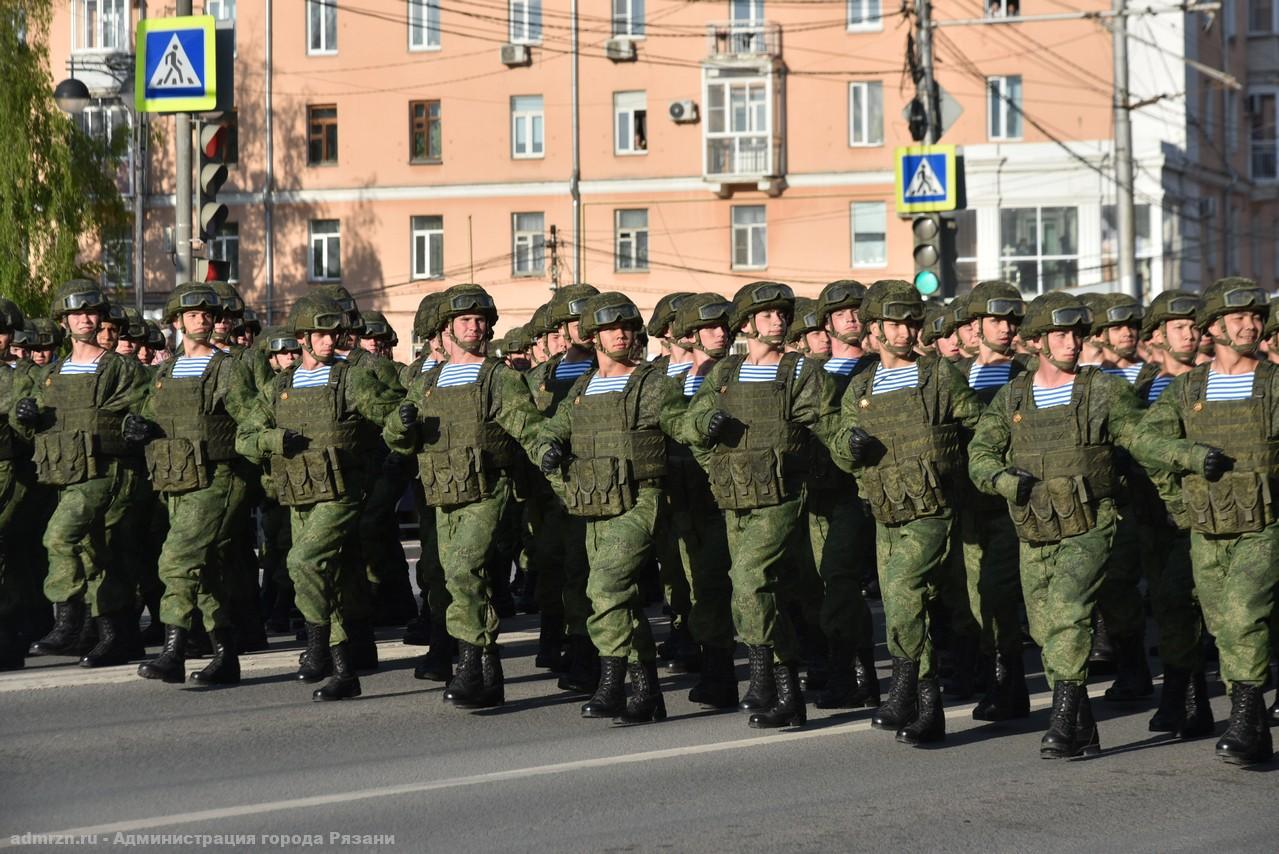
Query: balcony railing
(744, 40)
(739, 156)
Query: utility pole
(182, 164)
(926, 88)
(575, 189)
(554, 245)
(1125, 219)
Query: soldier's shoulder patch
(1017, 417)
(864, 403)
(284, 395)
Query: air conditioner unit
(683, 112)
(515, 54)
(620, 50)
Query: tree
(57, 185)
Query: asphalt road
(106, 753)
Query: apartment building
(700, 145)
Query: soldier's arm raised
(371, 398)
(988, 450)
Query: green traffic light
(926, 282)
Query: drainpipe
(267, 200)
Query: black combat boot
(646, 704)
(343, 684)
(788, 709)
(930, 725)
(1172, 701)
(717, 685)
(1007, 697)
(609, 699)
(494, 693)
(761, 693)
(437, 664)
(1132, 678)
(315, 662)
(1247, 738)
(841, 683)
(170, 664)
(584, 667)
(867, 678)
(1197, 722)
(1101, 658)
(1071, 730)
(13, 649)
(1274, 712)
(550, 641)
(418, 630)
(679, 651)
(64, 637)
(224, 667)
(902, 705)
(113, 644)
(468, 681)
(361, 646)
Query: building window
(117, 262)
(326, 250)
(428, 247)
(1039, 248)
(870, 234)
(1261, 16)
(425, 145)
(225, 247)
(528, 244)
(322, 135)
(1263, 150)
(526, 126)
(104, 121)
(321, 26)
(630, 122)
(526, 21)
(222, 10)
(1003, 105)
(632, 240)
(424, 24)
(866, 113)
(750, 237)
(738, 128)
(746, 11)
(101, 24)
(1147, 249)
(864, 15)
(1003, 8)
(628, 18)
(965, 250)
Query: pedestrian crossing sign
(176, 70)
(926, 179)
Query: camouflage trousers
(430, 574)
(838, 528)
(466, 533)
(617, 548)
(321, 578)
(385, 565)
(13, 584)
(1119, 599)
(698, 526)
(1060, 582)
(558, 551)
(190, 570)
(758, 546)
(84, 540)
(991, 552)
(670, 562)
(236, 541)
(1235, 578)
(911, 557)
(1165, 553)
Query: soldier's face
(1063, 345)
(769, 322)
(947, 347)
(998, 330)
(126, 348)
(554, 343)
(818, 343)
(572, 331)
(197, 322)
(40, 357)
(82, 322)
(1179, 336)
(323, 344)
(1241, 327)
(283, 360)
(844, 322)
(714, 338)
(6, 340)
(471, 328)
(368, 344)
(900, 334)
(108, 336)
(1121, 337)
(967, 335)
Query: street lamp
(72, 96)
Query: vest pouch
(746, 480)
(1058, 508)
(452, 477)
(1239, 503)
(307, 477)
(62, 457)
(174, 466)
(599, 487)
(904, 492)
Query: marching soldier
(283, 351)
(14, 483)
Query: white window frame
(630, 243)
(752, 235)
(1039, 257)
(870, 90)
(529, 242)
(108, 31)
(1256, 147)
(525, 21)
(754, 10)
(225, 247)
(221, 10)
(882, 261)
(865, 16)
(426, 262)
(740, 141)
(534, 122)
(424, 25)
(121, 246)
(329, 243)
(1008, 108)
(1270, 26)
(328, 40)
(625, 106)
(630, 15)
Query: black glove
(1025, 482)
(1216, 464)
(859, 444)
(408, 415)
(137, 429)
(715, 425)
(27, 411)
(554, 455)
(294, 442)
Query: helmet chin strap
(898, 351)
(1068, 366)
(847, 338)
(1126, 353)
(1001, 349)
(306, 345)
(771, 340)
(475, 348)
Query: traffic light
(213, 174)
(211, 271)
(934, 254)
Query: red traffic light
(216, 271)
(213, 140)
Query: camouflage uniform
(14, 481)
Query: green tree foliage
(57, 185)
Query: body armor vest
(910, 475)
(195, 429)
(1146, 502)
(1241, 501)
(612, 455)
(1068, 449)
(824, 475)
(77, 439)
(548, 393)
(8, 439)
(464, 451)
(761, 454)
(318, 473)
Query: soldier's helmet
(376, 327)
(1116, 310)
(78, 295)
(892, 299)
(426, 322)
(135, 327)
(42, 334)
(1272, 321)
(251, 321)
(316, 312)
(468, 299)
(517, 340)
(1096, 303)
(11, 319)
(1231, 294)
(760, 296)
(659, 324)
(995, 298)
(232, 302)
(156, 339)
(1056, 311)
(843, 293)
(538, 324)
(278, 339)
(192, 296)
(806, 319)
(609, 309)
(701, 311)
(939, 322)
(1169, 305)
(567, 304)
(354, 321)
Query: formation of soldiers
(779, 462)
